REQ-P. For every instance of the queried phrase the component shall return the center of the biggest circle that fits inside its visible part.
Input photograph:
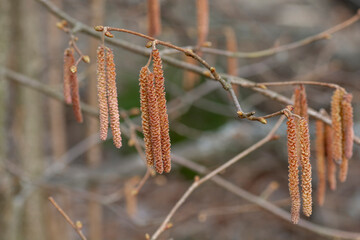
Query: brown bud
(86, 59)
(99, 28)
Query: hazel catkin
(306, 186)
(112, 98)
(154, 117)
(102, 93)
(145, 115)
(337, 125)
(293, 170)
(161, 100)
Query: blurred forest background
(45, 152)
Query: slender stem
(187, 52)
(271, 51)
(330, 85)
(67, 218)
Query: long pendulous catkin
(68, 62)
(145, 115)
(154, 123)
(337, 125)
(112, 98)
(202, 9)
(331, 166)
(74, 86)
(161, 100)
(293, 170)
(348, 125)
(320, 160)
(102, 93)
(306, 187)
(154, 17)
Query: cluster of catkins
(333, 143)
(71, 85)
(154, 115)
(107, 95)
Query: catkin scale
(306, 186)
(154, 117)
(112, 98)
(102, 93)
(320, 160)
(337, 125)
(293, 170)
(161, 100)
(68, 62)
(145, 115)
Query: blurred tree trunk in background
(94, 155)
(57, 229)
(27, 115)
(5, 179)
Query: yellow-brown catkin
(306, 187)
(320, 159)
(154, 17)
(145, 115)
(161, 99)
(112, 98)
(202, 9)
(348, 125)
(331, 166)
(337, 125)
(293, 170)
(102, 93)
(154, 117)
(344, 167)
(68, 62)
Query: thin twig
(271, 51)
(330, 85)
(221, 168)
(76, 227)
(187, 52)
